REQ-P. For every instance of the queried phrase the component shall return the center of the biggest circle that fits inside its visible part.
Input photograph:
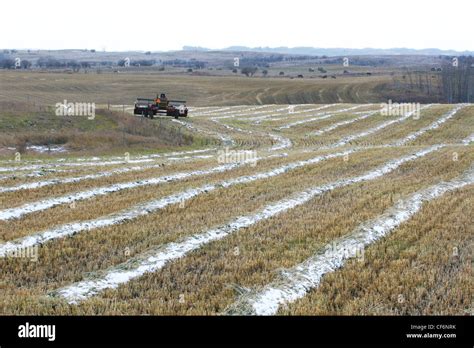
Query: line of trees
(54, 63)
(452, 81)
(184, 63)
(457, 78)
(139, 62)
(8, 63)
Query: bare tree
(458, 80)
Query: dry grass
(415, 255)
(108, 132)
(422, 268)
(50, 88)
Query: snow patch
(172, 251)
(296, 282)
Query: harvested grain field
(327, 209)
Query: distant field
(316, 209)
(122, 88)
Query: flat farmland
(43, 88)
(303, 209)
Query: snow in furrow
(44, 183)
(28, 208)
(237, 109)
(39, 184)
(217, 110)
(103, 160)
(152, 206)
(296, 282)
(432, 126)
(280, 116)
(83, 164)
(468, 140)
(226, 140)
(282, 142)
(247, 113)
(137, 267)
(373, 130)
(320, 116)
(35, 174)
(277, 112)
(343, 123)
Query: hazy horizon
(146, 25)
(225, 48)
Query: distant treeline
(458, 80)
(55, 63)
(139, 62)
(450, 82)
(183, 63)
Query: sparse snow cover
(226, 140)
(104, 160)
(39, 168)
(236, 109)
(249, 115)
(35, 174)
(320, 116)
(246, 113)
(46, 149)
(172, 251)
(70, 164)
(183, 158)
(290, 113)
(185, 124)
(38, 184)
(232, 128)
(44, 236)
(149, 207)
(282, 142)
(373, 130)
(28, 208)
(216, 110)
(297, 281)
(432, 126)
(343, 123)
(468, 140)
(42, 148)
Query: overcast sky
(168, 25)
